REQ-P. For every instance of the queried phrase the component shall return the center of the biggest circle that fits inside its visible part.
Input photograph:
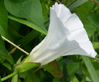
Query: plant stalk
(14, 45)
(9, 76)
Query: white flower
(66, 36)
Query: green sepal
(19, 60)
(23, 61)
(26, 66)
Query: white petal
(66, 36)
(37, 47)
(62, 12)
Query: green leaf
(23, 42)
(28, 76)
(14, 34)
(65, 77)
(15, 25)
(29, 9)
(46, 23)
(29, 37)
(89, 28)
(72, 68)
(45, 11)
(6, 64)
(95, 64)
(90, 69)
(27, 23)
(84, 10)
(76, 3)
(4, 54)
(0, 78)
(15, 78)
(79, 74)
(32, 78)
(95, 45)
(75, 79)
(13, 30)
(53, 68)
(3, 20)
(55, 80)
(41, 74)
(94, 19)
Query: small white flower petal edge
(66, 36)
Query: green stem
(9, 76)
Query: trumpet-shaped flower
(66, 36)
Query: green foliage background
(25, 23)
